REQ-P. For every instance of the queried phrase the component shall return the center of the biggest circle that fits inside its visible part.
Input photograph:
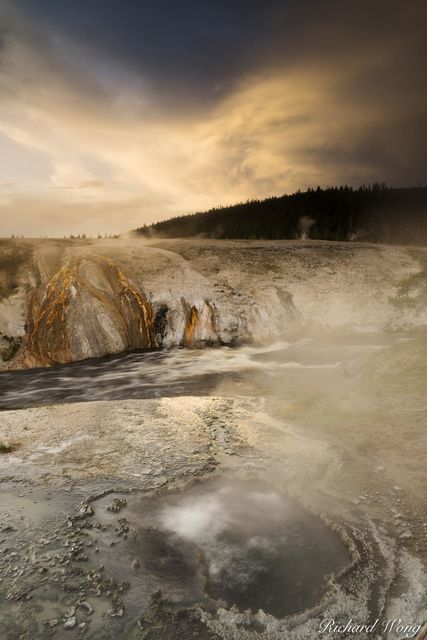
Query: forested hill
(376, 214)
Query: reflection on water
(241, 543)
(151, 374)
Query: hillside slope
(374, 214)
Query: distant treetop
(373, 213)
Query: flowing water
(151, 374)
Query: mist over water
(260, 549)
(238, 543)
(151, 374)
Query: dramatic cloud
(118, 113)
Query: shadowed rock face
(88, 307)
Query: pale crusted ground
(151, 445)
(105, 439)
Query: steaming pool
(237, 543)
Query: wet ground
(230, 493)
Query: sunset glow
(106, 126)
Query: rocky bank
(66, 300)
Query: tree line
(372, 213)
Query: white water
(192, 372)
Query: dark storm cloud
(192, 54)
(185, 50)
(213, 101)
(202, 48)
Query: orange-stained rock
(89, 307)
(201, 326)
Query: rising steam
(305, 225)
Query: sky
(119, 113)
